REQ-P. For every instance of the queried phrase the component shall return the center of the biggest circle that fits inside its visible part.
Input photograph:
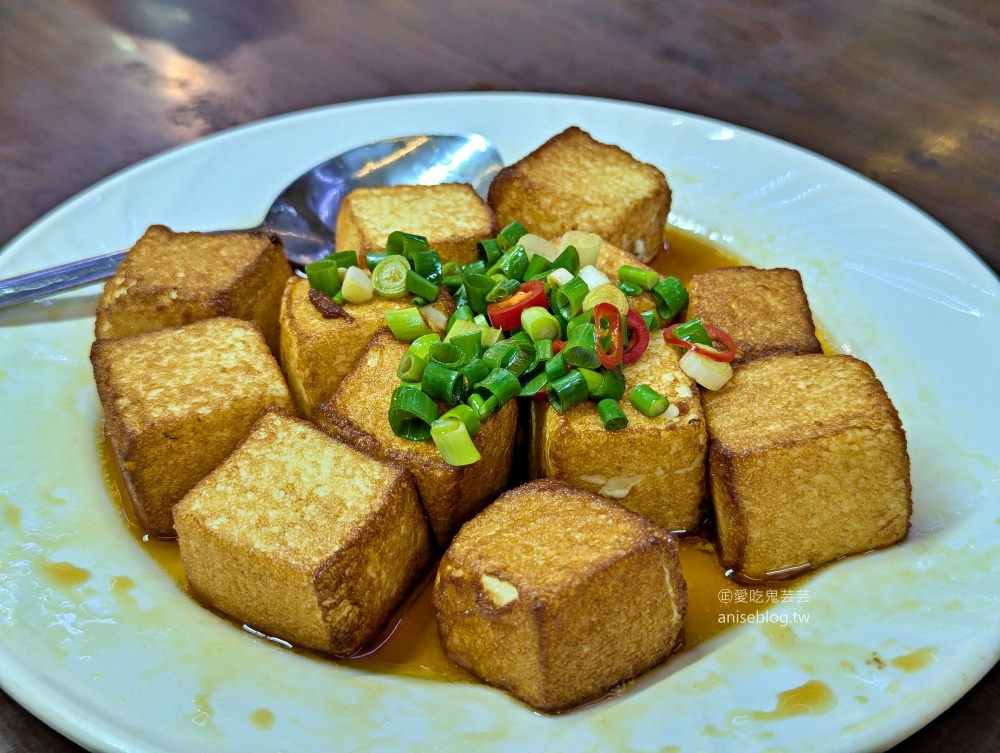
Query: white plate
(146, 669)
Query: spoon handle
(43, 283)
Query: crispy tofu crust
(807, 463)
(168, 279)
(765, 310)
(654, 466)
(177, 401)
(358, 414)
(573, 182)
(557, 595)
(303, 538)
(451, 216)
(317, 353)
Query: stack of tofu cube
(301, 514)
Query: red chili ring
(717, 335)
(638, 337)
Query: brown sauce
(410, 645)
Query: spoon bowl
(304, 215)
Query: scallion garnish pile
(532, 320)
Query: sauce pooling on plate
(410, 646)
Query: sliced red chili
(608, 334)
(506, 314)
(717, 335)
(638, 337)
(558, 345)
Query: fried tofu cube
(177, 401)
(573, 182)
(358, 414)
(610, 260)
(807, 463)
(654, 466)
(168, 279)
(558, 595)
(765, 310)
(303, 538)
(317, 353)
(451, 216)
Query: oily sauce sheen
(410, 645)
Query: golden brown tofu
(451, 216)
(610, 260)
(300, 537)
(765, 310)
(316, 353)
(654, 466)
(557, 595)
(177, 401)
(168, 279)
(572, 182)
(358, 414)
(807, 463)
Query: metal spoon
(305, 213)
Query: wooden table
(904, 92)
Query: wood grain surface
(903, 91)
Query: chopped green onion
(462, 312)
(569, 260)
(501, 384)
(502, 290)
(606, 293)
(556, 368)
(580, 350)
(647, 279)
(491, 336)
(535, 385)
(587, 244)
(510, 235)
(587, 317)
(465, 414)
(453, 442)
(481, 319)
(488, 406)
(593, 276)
(538, 266)
(418, 302)
(323, 275)
(411, 413)
(338, 298)
(543, 349)
(470, 343)
(372, 258)
(612, 385)
(452, 282)
(512, 354)
(421, 286)
(460, 296)
(475, 268)
(693, 332)
(568, 299)
(630, 288)
(476, 371)
(652, 319)
(512, 264)
(612, 415)
(476, 403)
(648, 401)
(671, 297)
(451, 268)
(405, 244)
(422, 345)
(477, 287)
(411, 367)
(406, 324)
(539, 324)
(442, 383)
(567, 391)
(427, 264)
(345, 259)
(558, 277)
(389, 277)
(462, 326)
(594, 379)
(518, 333)
(489, 248)
(448, 354)
(357, 286)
